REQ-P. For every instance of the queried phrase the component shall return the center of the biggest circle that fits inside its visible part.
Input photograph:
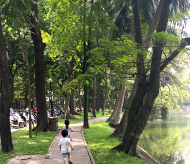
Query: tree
(39, 46)
(147, 86)
(94, 98)
(5, 98)
(153, 17)
(114, 120)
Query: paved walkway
(80, 154)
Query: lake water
(168, 141)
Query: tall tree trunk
(94, 98)
(66, 109)
(25, 59)
(12, 90)
(121, 128)
(26, 95)
(110, 104)
(6, 140)
(29, 96)
(125, 101)
(118, 101)
(89, 105)
(153, 25)
(115, 121)
(21, 101)
(86, 124)
(34, 103)
(72, 103)
(105, 100)
(28, 84)
(143, 100)
(39, 46)
(79, 99)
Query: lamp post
(51, 93)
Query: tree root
(113, 124)
(118, 147)
(117, 133)
(42, 128)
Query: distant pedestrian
(11, 111)
(27, 110)
(65, 146)
(68, 128)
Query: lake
(168, 141)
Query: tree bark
(110, 104)
(12, 90)
(71, 103)
(39, 46)
(94, 98)
(118, 101)
(66, 110)
(115, 121)
(5, 99)
(121, 128)
(29, 96)
(34, 104)
(25, 59)
(153, 25)
(86, 125)
(89, 105)
(21, 101)
(79, 99)
(105, 100)
(85, 66)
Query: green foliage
(165, 101)
(167, 39)
(99, 141)
(155, 113)
(165, 113)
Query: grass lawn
(38, 144)
(29, 146)
(79, 118)
(100, 143)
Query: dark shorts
(64, 155)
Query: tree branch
(184, 42)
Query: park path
(80, 154)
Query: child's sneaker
(70, 162)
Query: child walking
(68, 128)
(65, 147)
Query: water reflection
(168, 141)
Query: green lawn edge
(100, 144)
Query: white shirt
(64, 143)
(27, 109)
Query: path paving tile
(79, 155)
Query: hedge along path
(80, 155)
